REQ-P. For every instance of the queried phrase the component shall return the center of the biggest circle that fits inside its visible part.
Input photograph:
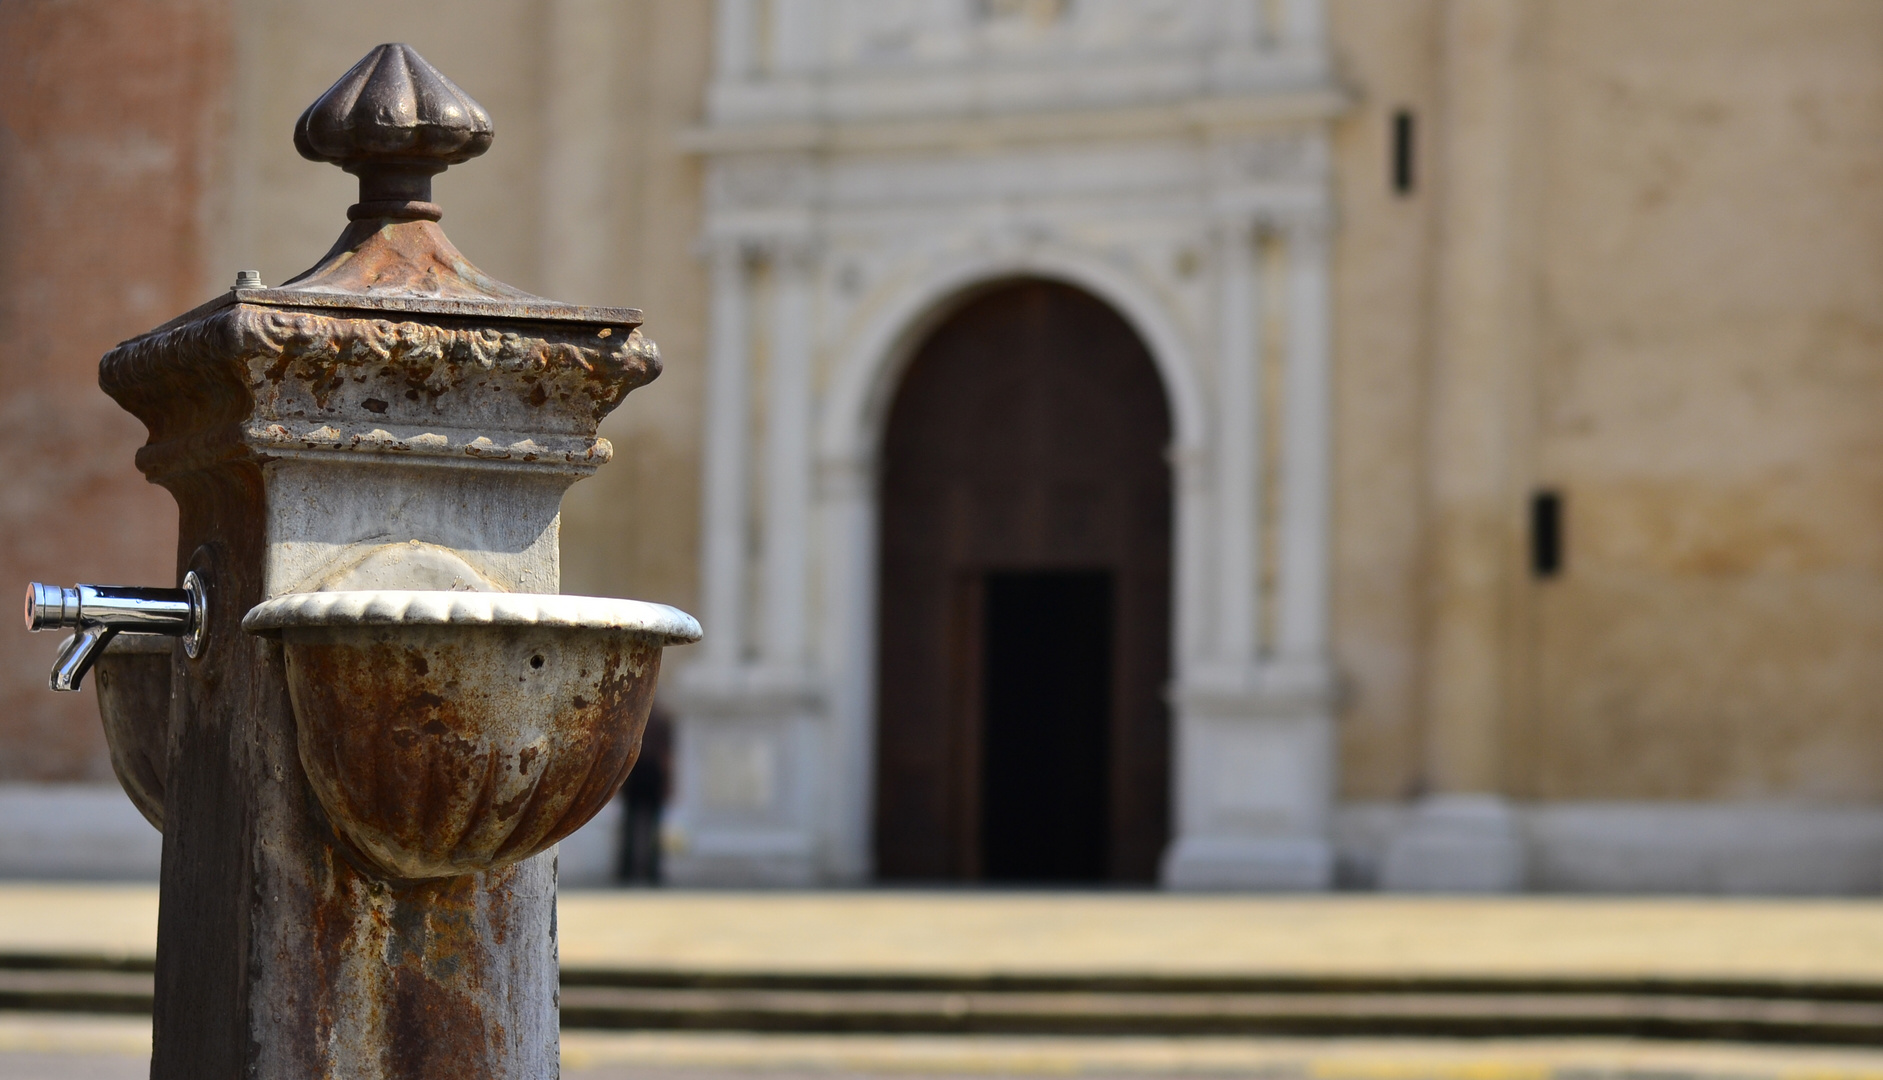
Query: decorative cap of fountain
(395, 122)
(394, 343)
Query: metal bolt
(248, 279)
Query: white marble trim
(412, 607)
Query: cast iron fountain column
(387, 718)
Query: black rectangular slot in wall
(1546, 534)
(1046, 725)
(1402, 152)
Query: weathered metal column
(380, 718)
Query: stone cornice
(1205, 116)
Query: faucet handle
(102, 612)
(49, 606)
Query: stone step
(1323, 1014)
(1719, 1010)
(74, 984)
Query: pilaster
(723, 502)
(1307, 456)
(754, 747)
(1470, 491)
(1239, 434)
(786, 529)
(1254, 761)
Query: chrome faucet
(102, 612)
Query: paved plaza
(1149, 933)
(992, 933)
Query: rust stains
(430, 764)
(415, 979)
(385, 256)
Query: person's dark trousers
(639, 858)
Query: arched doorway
(1024, 635)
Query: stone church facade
(1518, 362)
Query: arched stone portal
(851, 200)
(1024, 627)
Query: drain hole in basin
(536, 661)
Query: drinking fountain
(366, 716)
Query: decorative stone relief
(373, 385)
(1119, 24)
(1033, 12)
(885, 28)
(761, 181)
(1272, 159)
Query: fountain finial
(394, 121)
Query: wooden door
(1025, 599)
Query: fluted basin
(450, 732)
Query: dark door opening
(1046, 691)
(1024, 617)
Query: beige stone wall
(1708, 298)
(111, 117)
(1387, 53)
(1642, 268)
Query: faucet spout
(101, 612)
(77, 654)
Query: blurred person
(643, 798)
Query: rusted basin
(450, 732)
(132, 680)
